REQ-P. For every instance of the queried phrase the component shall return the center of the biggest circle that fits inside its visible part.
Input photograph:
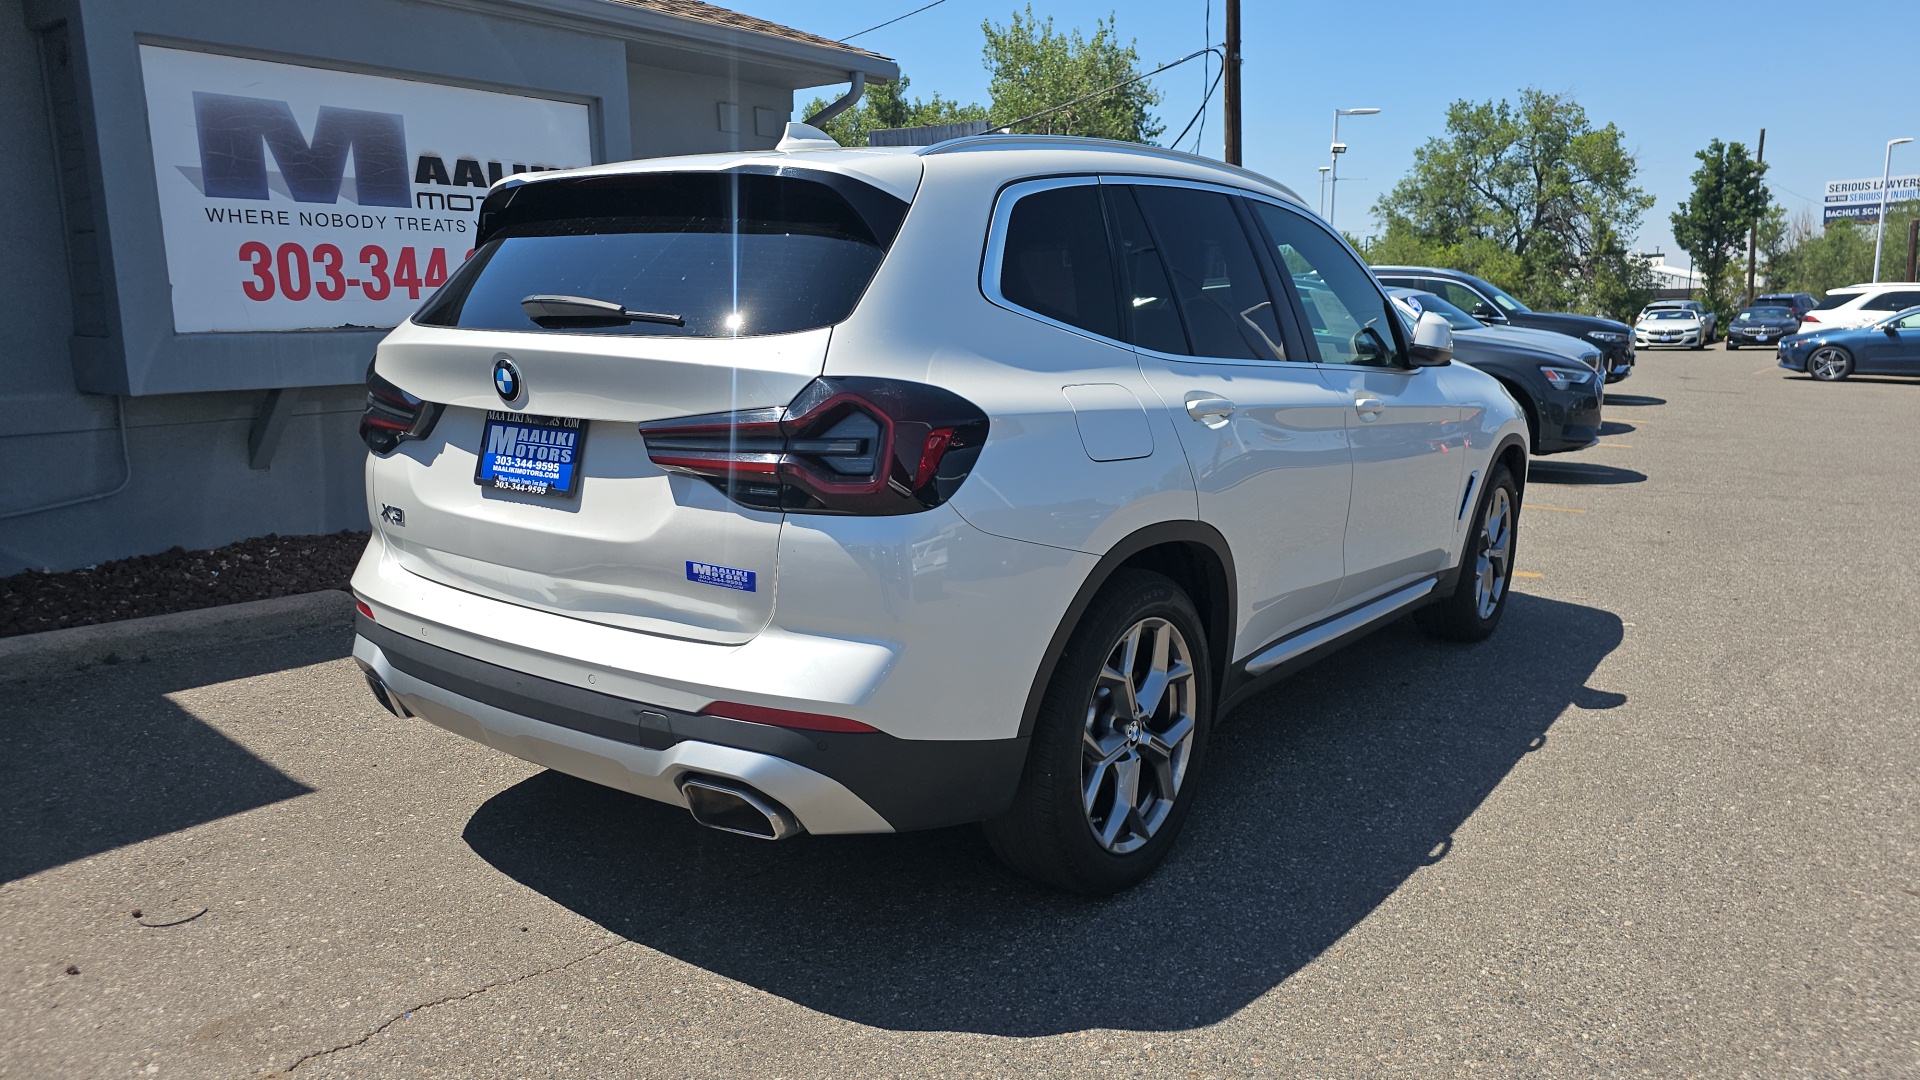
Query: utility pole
(1230, 104)
(1753, 234)
(1913, 249)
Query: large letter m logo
(237, 132)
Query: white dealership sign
(1860, 199)
(296, 198)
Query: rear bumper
(833, 782)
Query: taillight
(843, 446)
(393, 416)
(1808, 319)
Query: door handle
(1210, 409)
(1369, 407)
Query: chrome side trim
(1315, 636)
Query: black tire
(1463, 616)
(1048, 834)
(1840, 367)
(1732, 345)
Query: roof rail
(994, 141)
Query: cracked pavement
(1664, 823)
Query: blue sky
(1671, 75)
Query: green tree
(1729, 198)
(886, 105)
(1034, 69)
(1531, 196)
(1808, 260)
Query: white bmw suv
(863, 490)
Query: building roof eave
(791, 56)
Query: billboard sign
(1860, 199)
(301, 198)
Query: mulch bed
(177, 580)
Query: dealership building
(214, 208)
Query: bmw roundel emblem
(506, 379)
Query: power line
(895, 19)
(994, 125)
(1206, 31)
(1200, 114)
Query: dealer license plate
(531, 455)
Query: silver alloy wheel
(1494, 563)
(1827, 363)
(1138, 736)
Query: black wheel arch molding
(1158, 547)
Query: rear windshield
(734, 254)
(1834, 300)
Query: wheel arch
(1191, 553)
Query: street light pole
(1753, 233)
(1886, 171)
(1333, 169)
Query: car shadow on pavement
(1322, 797)
(1632, 399)
(95, 760)
(1570, 472)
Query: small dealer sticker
(724, 576)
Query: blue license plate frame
(524, 454)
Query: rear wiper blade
(585, 310)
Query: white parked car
(1708, 320)
(1670, 326)
(862, 490)
(1860, 305)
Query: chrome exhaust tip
(736, 808)
(386, 697)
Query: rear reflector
(361, 606)
(805, 721)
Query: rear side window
(1835, 300)
(1055, 261)
(729, 254)
(1892, 301)
(1215, 273)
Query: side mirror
(1432, 341)
(1485, 313)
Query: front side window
(1348, 315)
(1055, 260)
(1215, 274)
(1461, 296)
(1909, 321)
(699, 254)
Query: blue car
(1888, 347)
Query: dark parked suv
(1491, 304)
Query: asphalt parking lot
(1664, 823)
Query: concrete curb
(58, 652)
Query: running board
(1316, 636)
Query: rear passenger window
(1346, 312)
(1892, 301)
(1215, 273)
(1056, 263)
(1150, 306)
